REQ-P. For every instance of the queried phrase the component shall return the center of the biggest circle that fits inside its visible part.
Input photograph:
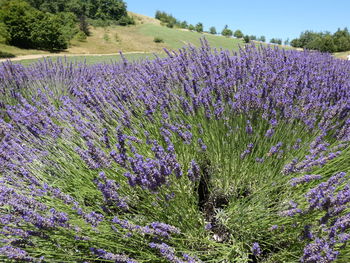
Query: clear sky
(272, 18)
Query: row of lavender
(203, 156)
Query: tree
(84, 25)
(277, 41)
(183, 24)
(286, 42)
(238, 33)
(94, 9)
(167, 19)
(342, 39)
(191, 27)
(16, 15)
(252, 37)
(246, 39)
(212, 30)
(226, 32)
(46, 32)
(262, 39)
(199, 27)
(4, 34)
(28, 27)
(295, 42)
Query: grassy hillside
(137, 38)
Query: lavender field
(202, 156)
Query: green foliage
(170, 25)
(68, 25)
(84, 25)
(212, 30)
(199, 27)
(46, 32)
(170, 21)
(31, 28)
(191, 27)
(158, 40)
(95, 9)
(277, 41)
(246, 39)
(4, 34)
(106, 37)
(16, 15)
(183, 24)
(324, 41)
(226, 32)
(166, 18)
(81, 36)
(262, 39)
(126, 20)
(100, 22)
(238, 33)
(252, 37)
(110, 9)
(6, 55)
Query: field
(199, 156)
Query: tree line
(170, 21)
(324, 41)
(51, 24)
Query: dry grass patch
(114, 39)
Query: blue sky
(272, 18)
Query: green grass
(176, 38)
(20, 51)
(92, 59)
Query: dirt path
(38, 56)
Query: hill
(138, 38)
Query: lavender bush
(203, 156)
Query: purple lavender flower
(256, 250)
(304, 179)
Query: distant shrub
(84, 25)
(126, 20)
(81, 36)
(99, 22)
(238, 33)
(170, 25)
(253, 37)
(212, 30)
(277, 41)
(199, 27)
(166, 19)
(246, 39)
(227, 32)
(158, 40)
(262, 39)
(6, 55)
